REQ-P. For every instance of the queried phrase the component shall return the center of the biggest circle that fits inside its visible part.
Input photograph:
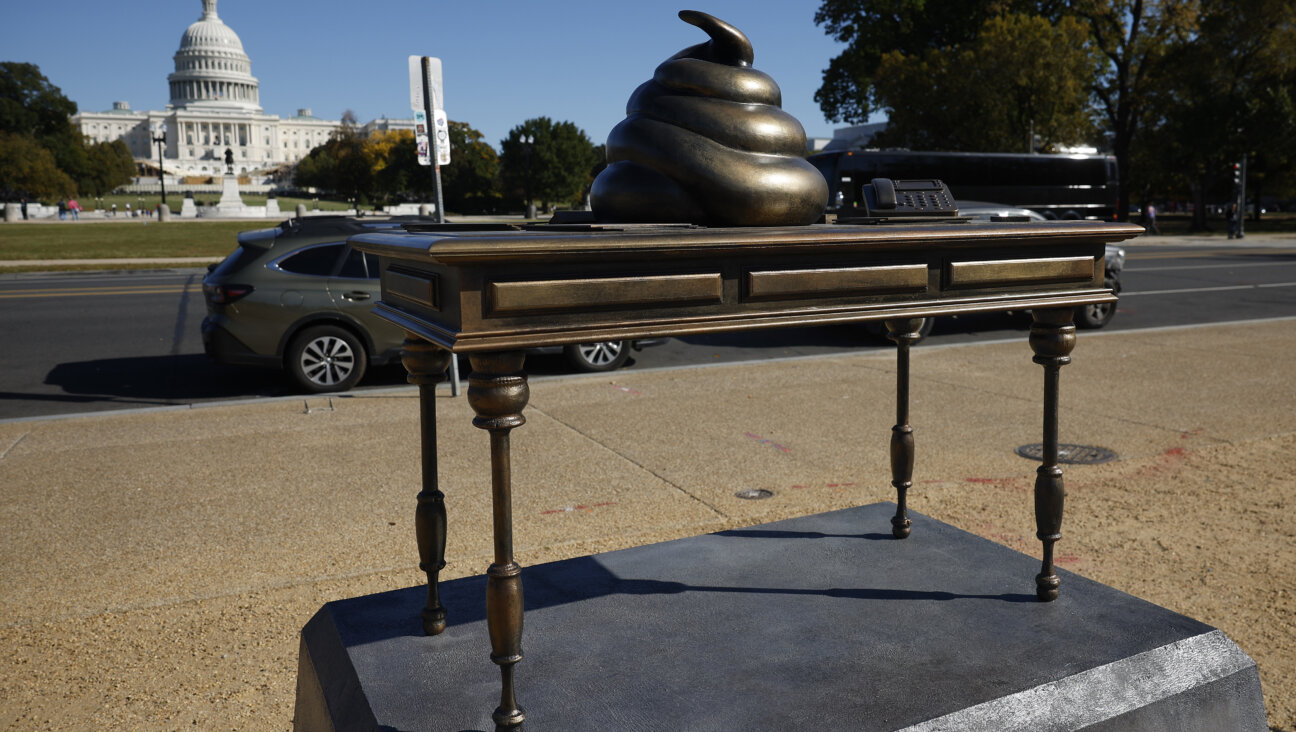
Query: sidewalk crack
(9, 449)
(715, 510)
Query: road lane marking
(1201, 254)
(84, 292)
(1207, 289)
(1208, 266)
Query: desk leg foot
(903, 333)
(497, 392)
(1052, 337)
(426, 364)
(504, 621)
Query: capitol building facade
(215, 106)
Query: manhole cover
(1069, 454)
(754, 494)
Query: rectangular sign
(417, 89)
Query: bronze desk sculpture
(489, 293)
(706, 141)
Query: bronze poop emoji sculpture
(707, 142)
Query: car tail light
(226, 294)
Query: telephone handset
(884, 197)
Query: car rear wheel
(600, 356)
(326, 358)
(1096, 316)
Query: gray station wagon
(299, 298)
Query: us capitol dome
(211, 69)
(215, 105)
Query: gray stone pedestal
(231, 203)
(818, 623)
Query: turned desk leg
(1052, 336)
(426, 365)
(903, 333)
(497, 392)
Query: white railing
(182, 188)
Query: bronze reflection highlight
(707, 142)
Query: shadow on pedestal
(809, 623)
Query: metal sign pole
(428, 106)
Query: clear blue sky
(504, 62)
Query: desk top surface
(479, 288)
(463, 243)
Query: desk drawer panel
(416, 287)
(509, 298)
(1011, 272)
(774, 284)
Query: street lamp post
(160, 139)
(527, 142)
(1241, 211)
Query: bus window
(1057, 186)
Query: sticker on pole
(421, 141)
(441, 128)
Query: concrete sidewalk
(158, 565)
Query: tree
(555, 168)
(341, 165)
(109, 165)
(27, 169)
(395, 163)
(31, 105)
(872, 28)
(1021, 77)
(1136, 37)
(35, 110)
(316, 169)
(470, 183)
(1225, 91)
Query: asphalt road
(87, 342)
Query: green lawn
(125, 237)
(122, 238)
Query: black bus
(1057, 186)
